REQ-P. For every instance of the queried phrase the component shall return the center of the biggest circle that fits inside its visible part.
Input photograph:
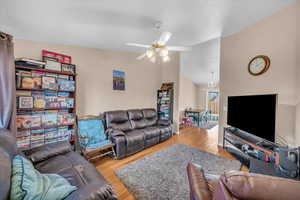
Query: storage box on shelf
(46, 106)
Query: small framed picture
(52, 63)
(25, 102)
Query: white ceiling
(198, 64)
(109, 24)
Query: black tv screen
(253, 114)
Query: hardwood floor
(194, 137)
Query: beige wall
(298, 76)
(94, 67)
(274, 36)
(187, 95)
(170, 73)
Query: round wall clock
(259, 65)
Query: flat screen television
(253, 114)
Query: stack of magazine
(44, 80)
(41, 127)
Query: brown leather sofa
(240, 186)
(55, 158)
(134, 130)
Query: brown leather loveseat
(55, 158)
(134, 130)
(240, 186)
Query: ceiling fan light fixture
(153, 59)
(150, 53)
(164, 52)
(166, 58)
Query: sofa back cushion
(244, 185)
(150, 116)
(137, 119)
(8, 150)
(118, 120)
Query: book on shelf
(63, 94)
(27, 82)
(62, 76)
(51, 100)
(23, 142)
(36, 121)
(23, 121)
(24, 133)
(65, 118)
(38, 99)
(49, 120)
(70, 102)
(49, 83)
(25, 102)
(51, 133)
(30, 62)
(37, 143)
(37, 134)
(23, 93)
(66, 85)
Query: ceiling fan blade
(178, 48)
(164, 38)
(138, 45)
(141, 56)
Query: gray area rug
(162, 174)
(207, 125)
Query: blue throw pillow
(29, 184)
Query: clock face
(259, 65)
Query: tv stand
(247, 145)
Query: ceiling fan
(159, 49)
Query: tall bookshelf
(36, 131)
(165, 104)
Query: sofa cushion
(151, 132)
(28, 183)
(134, 141)
(118, 116)
(135, 114)
(165, 129)
(244, 185)
(151, 142)
(150, 116)
(60, 163)
(118, 120)
(137, 119)
(50, 150)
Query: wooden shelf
(44, 70)
(42, 109)
(46, 127)
(30, 89)
(70, 110)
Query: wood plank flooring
(194, 137)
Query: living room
(147, 103)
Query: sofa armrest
(49, 150)
(93, 191)
(221, 192)
(163, 122)
(199, 188)
(244, 185)
(113, 133)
